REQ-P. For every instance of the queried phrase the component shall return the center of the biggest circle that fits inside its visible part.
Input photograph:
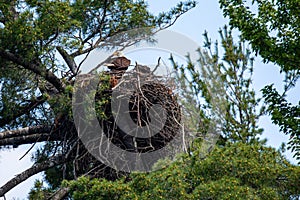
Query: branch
(101, 39)
(80, 52)
(29, 139)
(101, 64)
(53, 38)
(36, 168)
(37, 69)
(93, 34)
(61, 193)
(106, 4)
(25, 131)
(68, 59)
(21, 110)
(29, 135)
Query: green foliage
(273, 31)
(17, 90)
(37, 26)
(244, 169)
(35, 30)
(241, 168)
(103, 96)
(222, 87)
(39, 192)
(236, 171)
(39, 44)
(93, 189)
(285, 116)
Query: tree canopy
(272, 29)
(42, 47)
(241, 166)
(238, 171)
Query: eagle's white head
(118, 54)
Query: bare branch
(86, 56)
(28, 135)
(53, 38)
(28, 139)
(36, 168)
(92, 35)
(25, 131)
(156, 67)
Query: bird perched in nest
(118, 66)
(118, 62)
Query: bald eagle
(118, 62)
(118, 66)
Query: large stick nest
(143, 90)
(136, 92)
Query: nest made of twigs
(144, 90)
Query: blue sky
(206, 16)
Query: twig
(156, 67)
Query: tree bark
(30, 139)
(60, 194)
(36, 168)
(68, 59)
(25, 131)
(28, 135)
